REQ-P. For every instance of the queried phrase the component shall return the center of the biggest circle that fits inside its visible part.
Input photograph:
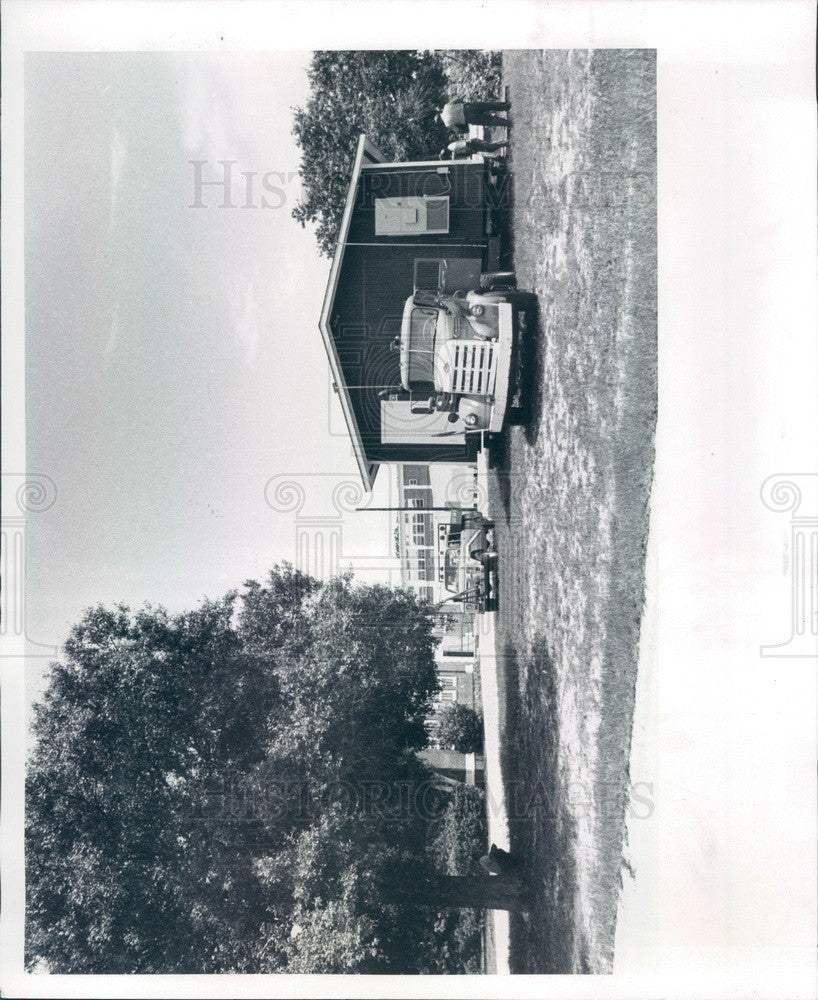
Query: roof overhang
(368, 153)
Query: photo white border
(694, 42)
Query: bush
(458, 837)
(472, 74)
(461, 729)
(457, 840)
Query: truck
(470, 561)
(459, 345)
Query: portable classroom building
(399, 219)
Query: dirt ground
(570, 489)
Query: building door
(400, 426)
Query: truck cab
(470, 561)
(456, 354)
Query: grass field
(570, 490)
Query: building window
(411, 215)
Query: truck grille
(473, 368)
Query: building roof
(365, 152)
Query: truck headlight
(471, 420)
(477, 310)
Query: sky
(174, 364)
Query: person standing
(465, 147)
(460, 114)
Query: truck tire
(477, 520)
(497, 279)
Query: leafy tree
(461, 729)
(357, 680)
(392, 96)
(341, 919)
(166, 826)
(458, 838)
(125, 873)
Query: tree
(391, 95)
(357, 680)
(236, 788)
(166, 829)
(126, 869)
(461, 729)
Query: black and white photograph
(409, 500)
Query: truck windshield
(422, 327)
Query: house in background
(400, 221)
(421, 538)
(457, 686)
(421, 534)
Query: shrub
(472, 74)
(461, 729)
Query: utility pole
(450, 507)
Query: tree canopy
(392, 96)
(221, 790)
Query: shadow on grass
(531, 405)
(531, 374)
(500, 481)
(542, 829)
(545, 940)
(502, 217)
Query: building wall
(464, 183)
(421, 536)
(454, 765)
(456, 688)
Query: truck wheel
(503, 279)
